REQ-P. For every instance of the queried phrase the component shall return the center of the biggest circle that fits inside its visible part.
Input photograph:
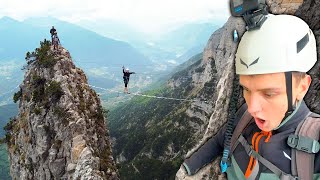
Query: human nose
(254, 104)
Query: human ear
(303, 87)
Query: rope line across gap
(150, 96)
(135, 94)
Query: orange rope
(255, 145)
(252, 160)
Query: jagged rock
(57, 167)
(220, 46)
(71, 167)
(60, 132)
(88, 166)
(221, 50)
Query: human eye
(270, 94)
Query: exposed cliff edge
(221, 50)
(60, 131)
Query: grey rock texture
(284, 6)
(310, 13)
(60, 132)
(221, 50)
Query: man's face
(266, 97)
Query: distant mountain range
(19, 37)
(187, 37)
(115, 30)
(88, 49)
(163, 46)
(94, 52)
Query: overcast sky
(140, 14)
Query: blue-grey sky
(145, 15)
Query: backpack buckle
(284, 176)
(303, 143)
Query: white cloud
(141, 14)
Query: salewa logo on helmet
(254, 62)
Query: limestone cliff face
(221, 50)
(60, 132)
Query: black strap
(294, 170)
(291, 108)
(241, 125)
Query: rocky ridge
(60, 132)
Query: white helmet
(284, 43)
(127, 69)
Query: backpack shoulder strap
(241, 125)
(305, 145)
(251, 152)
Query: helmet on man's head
(127, 69)
(284, 43)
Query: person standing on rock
(52, 32)
(272, 63)
(56, 41)
(126, 78)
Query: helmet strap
(291, 107)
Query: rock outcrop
(221, 50)
(284, 6)
(60, 132)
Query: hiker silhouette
(54, 38)
(52, 32)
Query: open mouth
(259, 122)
